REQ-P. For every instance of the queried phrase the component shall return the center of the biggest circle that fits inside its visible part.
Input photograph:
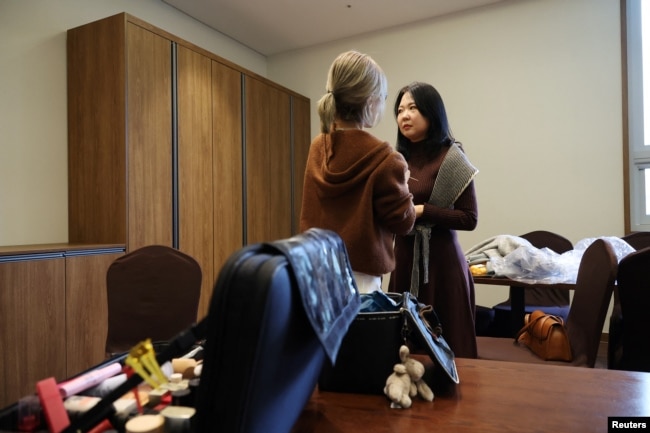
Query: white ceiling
(274, 26)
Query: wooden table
(517, 302)
(492, 396)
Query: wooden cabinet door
(120, 134)
(194, 199)
(227, 168)
(268, 162)
(300, 111)
(32, 325)
(279, 156)
(149, 138)
(97, 176)
(257, 170)
(86, 310)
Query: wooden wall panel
(32, 325)
(86, 310)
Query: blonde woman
(356, 184)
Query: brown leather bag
(546, 336)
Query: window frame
(636, 153)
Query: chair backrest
(559, 244)
(593, 292)
(152, 292)
(634, 295)
(546, 239)
(638, 240)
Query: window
(637, 44)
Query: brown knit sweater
(356, 186)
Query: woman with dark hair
(429, 261)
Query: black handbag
(370, 348)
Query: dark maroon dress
(450, 289)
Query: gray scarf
(456, 173)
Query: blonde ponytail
(356, 91)
(326, 112)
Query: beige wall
(33, 121)
(533, 90)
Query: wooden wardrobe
(171, 144)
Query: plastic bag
(544, 266)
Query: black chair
(152, 292)
(638, 240)
(631, 347)
(593, 292)
(498, 322)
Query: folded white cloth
(494, 247)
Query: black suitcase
(278, 311)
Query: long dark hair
(430, 105)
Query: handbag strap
(532, 323)
(427, 310)
(426, 313)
